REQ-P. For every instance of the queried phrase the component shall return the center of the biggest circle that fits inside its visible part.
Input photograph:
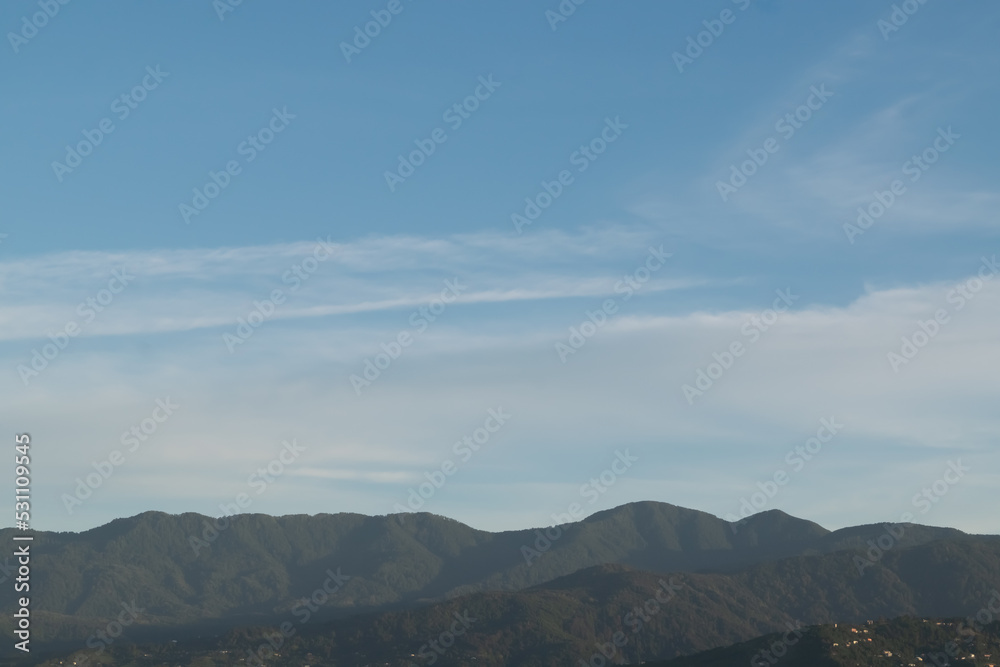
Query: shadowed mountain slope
(652, 616)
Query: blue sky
(338, 264)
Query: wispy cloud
(180, 290)
(622, 389)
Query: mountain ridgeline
(352, 584)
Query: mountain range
(378, 589)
